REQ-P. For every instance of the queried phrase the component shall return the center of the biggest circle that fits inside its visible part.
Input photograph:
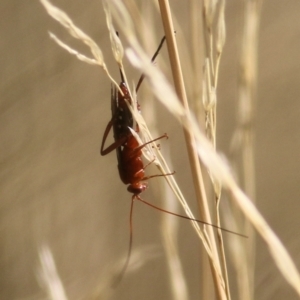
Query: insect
(122, 118)
(129, 152)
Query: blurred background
(57, 190)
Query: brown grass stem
(245, 127)
(193, 157)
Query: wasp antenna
(152, 60)
(191, 219)
(120, 276)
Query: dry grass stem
(197, 60)
(245, 137)
(49, 277)
(169, 231)
(214, 47)
(116, 45)
(77, 33)
(220, 39)
(72, 51)
(194, 161)
(169, 225)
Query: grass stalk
(49, 277)
(214, 48)
(245, 145)
(193, 157)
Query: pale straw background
(57, 190)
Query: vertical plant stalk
(220, 42)
(245, 130)
(170, 241)
(194, 161)
(48, 275)
(169, 225)
(197, 48)
(197, 58)
(214, 44)
(207, 290)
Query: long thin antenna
(187, 218)
(121, 73)
(117, 281)
(152, 60)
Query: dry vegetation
(190, 92)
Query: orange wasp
(129, 151)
